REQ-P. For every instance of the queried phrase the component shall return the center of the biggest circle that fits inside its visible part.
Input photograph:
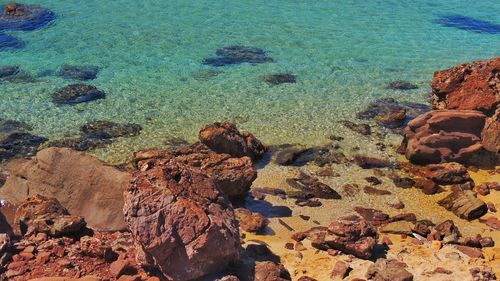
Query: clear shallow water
(344, 54)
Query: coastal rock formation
(447, 173)
(225, 138)
(236, 55)
(468, 86)
(19, 144)
(78, 72)
(77, 93)
(444, 136)
(491, 134)
(312, 187)
(25, 17)
(464, 204)
(278, 78)
(39, 214)
(183, 222)
(82, 183)
(9, 42)
(8, 127)
(233, 176)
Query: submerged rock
(464, 204)
(233, 176)
(363, 129)
(83, 184)
(236, 55)
(402, 85)
(19, 144)
(25, 17)
(311, 185)
(112, 129)
(83, 143)
(367, 162)
(225, 138)
(278, 78)
(78, 72)
(299, 156)
(77, 93)
(181, 220)
(9, 42)
(11, 126)
(39, 214)
(206, 74)
(468, 86)
(469, 24)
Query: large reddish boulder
(491, 133)
(232, 175)
(225, 138)
(184, 224)
(468, 86)
(444, 136)
(81, 183)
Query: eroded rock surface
(464, 204)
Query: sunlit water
(344, 53)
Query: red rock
(41, 214)
(118, 267)
(447, 173)
(269, 271)
(181, 220)
(471, 252)
(225, 138)
(388, 270)
(340, 270)
(43, 257)
(81, 183)
(464, 204)
(491, 222)
(491, 133)
(250, 221)
(444, 136)
(233, 176)
(468, 86)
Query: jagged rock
(79, 72)
(225, 138)
(269, 271)
(77, 93)
(299, 156)
(83, 184)
(444, 136)
(446, 232)
(447, 173)
(233, 176)
(25, 17)
(39, 214)
(468, 86)
(181, 220)
(363, 129)
(388, 270)
(278, 78)
(491, 222)
(250, 221)
(491, 133)
(340, 270)
(238, 54)
(464, 204)
(19, 144)
(311, 185)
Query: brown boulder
(225, 138)
(249, 221)
(464, 204)
(491, 133)
(81, 183)
(447, 173)
(233, 176)
(39, 214)
(444, 136)
(388, 270)
(183, 222)
(468, 86)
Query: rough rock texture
(250, 221)
(468, 86)
(183, 222)
(77, 93)
(83, 184)
(447, 173)
(19, 144)
(40, 214)
(491, 133)
(225, 138)
(444, 136)
(233, 176)
(312, 187)
(464, 204)
(388, 270)
(79, 72)
(24, 17)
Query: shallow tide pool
(343, 53)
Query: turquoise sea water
(344, 54)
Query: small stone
(396, 203)
(118, 267)
(289, 246)
(470, 251)
(436, 245)
(300, 247)
(340, 270)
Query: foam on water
(151, 53)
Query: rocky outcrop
(446, 173)
(233, 176)
(388, 270)
(24, 17)
(468, 86)
(77, 93)
(81, 183)
(491, 134)
(225, 138)
(464, 204)
(444, 136)
(250, 221)
(19, 144)
(40, 214)
(184, 224)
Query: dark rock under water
(9, 42)
(77, 93)
(19, 144)
(78, 72)
(236, 55)
(25, 17)
(278, 78)
(469, 24)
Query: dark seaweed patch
(8, 42)
(469, 24)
